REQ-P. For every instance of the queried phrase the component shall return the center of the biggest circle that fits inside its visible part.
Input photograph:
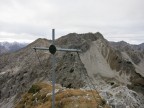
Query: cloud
(36, 18)
(10, 37)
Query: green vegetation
(34, 89)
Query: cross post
(52, 49)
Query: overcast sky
(27, 20)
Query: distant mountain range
(6, 47)
(122, 45)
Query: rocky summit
(114, 71)
(39, 96)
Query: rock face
(111, 68)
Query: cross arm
(58, 49)
(40, 48)
(69, 50)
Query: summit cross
(53, 49)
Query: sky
(27, 20)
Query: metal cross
(52, 49)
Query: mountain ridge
(105, 66)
